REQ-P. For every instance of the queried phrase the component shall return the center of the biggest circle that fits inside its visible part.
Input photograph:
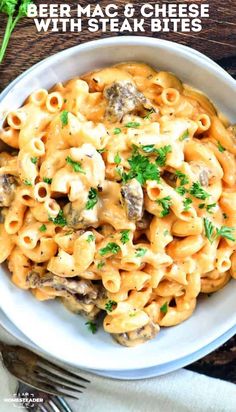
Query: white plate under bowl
(123, 375)
(49, 325)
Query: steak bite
(7, 189)
(123, 97)
(132, 199)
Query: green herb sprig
(14, 13)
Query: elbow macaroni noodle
(133, 213)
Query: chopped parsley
(60, 220)
(101, 150)
(132, 125)
(149, 113)
(34, 160)
(184, 136)
(92, 327)
(64, 117)
(111, 247)
(209, 207)
(183, 179)
(165, 203)
(209, 229)
(90, 238)
(166, 232)
(76, 166)
(117, 159)
(125, 236)
(141, 169)
(150, 148)
(164, 308)
(101, 264)
(225, 216)
(27, 182)
(47, 180)
(187, 202)
(201, 205)
(226, 232)
(110, 305)
(197, 191)
(43, 228)
(220, 147)
(140, 252)
(162, 154)
(117, 130)
(181, 190)
(92, 198)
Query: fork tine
(52, 383)
(43, 408)
(57, 378)
(40, 385)
(45, 362)
(63, 405)
(53, 405)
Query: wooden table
(217, 40)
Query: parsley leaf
(209, 207)
(27, 182)
(140, 252)
(101, 264)
(117, 159)
(183, 179)
(90, 238)
(92, 327)
(187, 202)
(209, 229)
(111, 247)
(92, 198)
(125, 236)
(162, 154)
(117, 130)
(64, 118)
(43, 228)
(165, 203)
(34, 160)
(184, 136)
(132, 124)
(197, 191)
(141, 169)
(101, 150)
(220, 147)
(60, 220)
(76, 166)
(164, 308)
(181, 190)
(149, 113)
(149, 148)
(110, 305)
(226, 232)
(47, 180)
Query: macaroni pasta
(118, 196)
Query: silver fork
(43, 401)
(40, 373)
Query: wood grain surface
(217, 40)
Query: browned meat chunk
(202, 172)
(7, 190)
(79, 218)
(132, 198)
(138, 336)
(123, 98)
(74, 304)
(82, 287)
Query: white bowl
(49, 325)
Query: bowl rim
(200, 58)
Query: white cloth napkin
(181, 391)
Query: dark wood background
(217, 40)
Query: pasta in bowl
(118, 198)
